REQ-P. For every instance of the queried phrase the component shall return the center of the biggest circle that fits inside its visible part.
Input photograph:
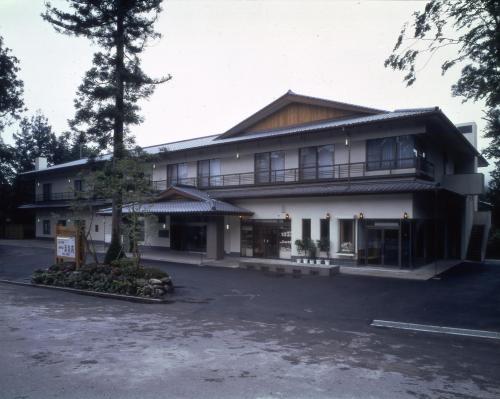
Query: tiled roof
(379, 187)
(184, 207)
(212, 140)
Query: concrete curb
(92, 293)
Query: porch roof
(184, 207)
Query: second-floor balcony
(342, 172)
(65, 196)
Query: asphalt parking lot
(238, 333)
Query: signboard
(69, 245)
(66, 247)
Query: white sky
(230, 58)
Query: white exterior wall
(103, 223)
(342, 207)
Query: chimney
(40, 163)
(469, 130)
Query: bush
(122, 276)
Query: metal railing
(358, 170)
(65, 196)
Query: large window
(346, 236)
(306, 229)
(270, 167)
(317, 162)
(78, 186)
(209, 173)
(47, 191)
(177, 174)
(393, 152)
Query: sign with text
(66, 246)
(69, 245)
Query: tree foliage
(11, 87)
(106, 102)
(473, 28)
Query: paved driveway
(244, 334)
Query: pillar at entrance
(215, 237)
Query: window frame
(46, 227)
(316, 166)
(396, 162)
(211, 180)
(177, 178)
(271, 177)
(342, 238)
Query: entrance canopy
(178, 200)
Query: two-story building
(393, 189)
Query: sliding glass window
(177, 174)
(209, 173)
(317, 162)
(392, 152)
(270, 167)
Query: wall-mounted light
(405, 215)
(227, 226)
(69, 220)
(347, 141)
(154, 166)
(38, 184)
(287, 216)
(361, 215)
(38, 220)
(69, 180)
(164, 225)
(327, 216)
(241, 217)
(237, 155)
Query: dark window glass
(324, 229)
(78, 186)
(96, 228)
(164, 233)
(325, 162)
(46, 227)
(47, 191)
(209, 173)
(391, 152)
(162, 219)
(308, 159)
(270, 167)
(61, 222)
(306, 229)
(177, 174)
(317, 162)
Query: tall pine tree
(106, 102)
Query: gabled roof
(181, 200)
(293, 98)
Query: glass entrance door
(266, 239)
(382, 246)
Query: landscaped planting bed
(120, 277)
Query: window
(96, 228)
(78, 186)
(46, 227)
(164, 233)
(306, 229)
(209, 173)
(177, 174)
(317, 162)
(270, 167)
(47, 191)
(324, 229)
(346, 236)
(61, 222)
(393, 152)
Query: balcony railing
(352, 171)
(65, 196)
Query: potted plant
(299, 244)
(324, 249)
(310, 249)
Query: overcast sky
(230, 58)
